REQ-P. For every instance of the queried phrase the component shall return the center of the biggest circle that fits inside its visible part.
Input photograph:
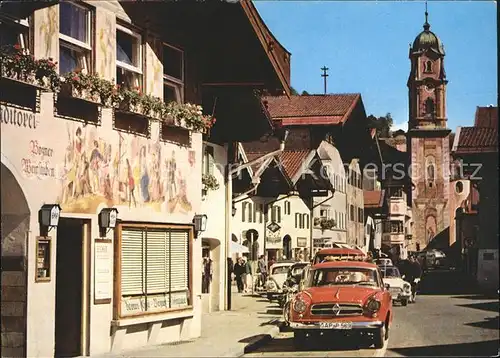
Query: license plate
(335, 325)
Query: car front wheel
(404, 302)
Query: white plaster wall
(16, 148)
(213, 205)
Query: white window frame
(22, 22)
(126, 66)
(176, 83)
(77, 45)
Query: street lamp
(200, 223)
(48, 217)
(107, 220)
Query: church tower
(428, 139)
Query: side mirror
(387, 286)
(403, 276)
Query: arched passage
(14, 230)
(211, 275)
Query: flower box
(70, 90)
(209, 182)
(24, 77)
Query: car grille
(395, 290)
(346, 309)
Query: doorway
(71, 320)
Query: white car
(384, 261)
(400, 289)
(277, 277)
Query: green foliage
(382, 124)
(305, 93)
(209, 182)
(293, 91)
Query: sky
(365, 46)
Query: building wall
(430, 197)
(336, 203)
(459, 191)
(355, 223)
(40, 153)
(212, 205)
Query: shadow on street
(488, 323)
(485, 306)
(445, 282)
(476, 349)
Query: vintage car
(383, 261)
(342, 296)
(400, 289)
(278, 274)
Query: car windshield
(344, 276)
(297, 270)
(390, 272)
(329, 257)
(280, 270)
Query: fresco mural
(135, 173)
(106, 42)
(49, 28)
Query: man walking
(262, 270)
(248, 276)
(415, 273)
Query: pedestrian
(262, 271)
(239, 270)
(248, 276)
(415, 272)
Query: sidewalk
(251, 322)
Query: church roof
(476, 140)
(428, 40)
(486, 117)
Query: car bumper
(401, 296)
(355, 325)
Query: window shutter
(261, 214)
(157, 270)
(243, 211)
(273, 214)
(179, 260)
(278, 209)
(132, 265)
(250, 212)
(297, 220)
(307, 220)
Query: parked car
(292, 282)
(278, 273)
(338, 254)
(346, 296)
(400, 289)
(435, 258)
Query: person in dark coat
(239, 270)
(414, 272)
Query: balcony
(393, 238)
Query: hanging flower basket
(209, 182)
(324, 223)
(189, 116)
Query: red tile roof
(476, 140)
(373, 198)
(311, 109)
(486, 117)
(293, 161)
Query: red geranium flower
(17, 46)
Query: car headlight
(299, 306)
(373, 305)
(271, 285)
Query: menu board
(103, 271)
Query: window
(393, 227)
(208, 160)
(360, 215)
(297, 220)
(243, 211)
(396, 192)
(287, 208)
(250, 212)
(154, 269)
(276, 214)
(173, 74)
(75, 38)
(128, 58)
(352, 213)
(305, 221)
(261, 213)
(14, 32)
(428, 66)
(429, 106)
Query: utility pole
(324, 75)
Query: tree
(305, 93)
(382, 124)
(293, 91)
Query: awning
(237, 248)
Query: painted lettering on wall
(38, 161)
(18, 118)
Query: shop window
(173, 74)
(75, 44)
(154, 266)
(128, 58)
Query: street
(446, 320)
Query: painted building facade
(355, 205)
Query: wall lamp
(200, 223)
(48, 217)
(234, 210)
(107, 220)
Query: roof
(475, 140)
(373, 198)
(278, 55)
(331, 264)
(340, 251)
(428, 40)
(486, 117)
(311, 109)
(293, 161)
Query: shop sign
(273, 227)
(103, 273)
(137, 304)
(301, 242)
(179, 299)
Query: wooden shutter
(179, 256)
(157, 270)
(132, 262)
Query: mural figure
(431, 228)
(106, 42)
(48, 29)
(133, 173)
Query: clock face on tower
(429, 88)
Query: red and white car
(342, 296)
